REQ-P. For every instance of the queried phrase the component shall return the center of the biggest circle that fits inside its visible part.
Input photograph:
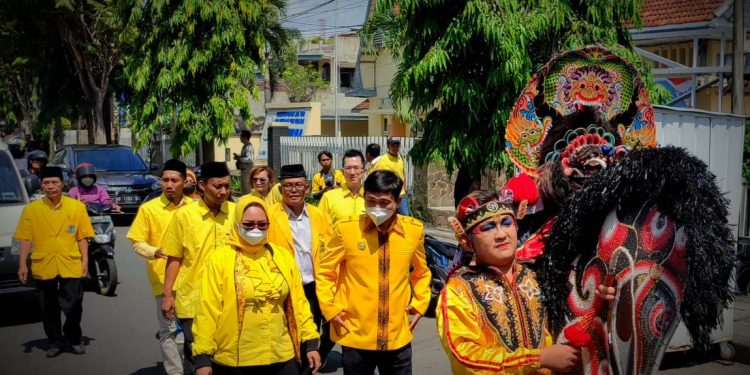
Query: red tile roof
(677, 12)
(365, 105)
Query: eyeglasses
(297, 186)
(353, 169)
(262, 225)
(260, 180)
(502, 223)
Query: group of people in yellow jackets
(268, 286)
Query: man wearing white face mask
(364, 285)
(87, 191)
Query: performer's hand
(417, 316)
(559, 357)
(338, 324)
(158, 254)
(204, 371)
(313, 358)
(607, 293)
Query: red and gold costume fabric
(489, 324)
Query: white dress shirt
(302, 236)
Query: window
(112, 160)
(10, 185)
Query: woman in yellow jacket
(490, 316)
(253, 317)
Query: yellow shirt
(319, 181)
(54, 232)
(503, 333)
(193, 234)
(377, 286)
(280, 231)
(147, 232)
(340, 204)
(270, 320)
(391, 163)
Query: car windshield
(112, 160)
(10, 185)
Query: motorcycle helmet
(86, 174)
(36, 155)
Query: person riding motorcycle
(87, 191)
(35, 161)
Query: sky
(306, 16)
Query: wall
(349, 128)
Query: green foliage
(236, 185)
(302, 82)
(193, 64)
(462, 64)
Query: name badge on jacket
(71, 228)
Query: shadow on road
(43, 344)
(690, 358)
(20, 310)
(157, 369)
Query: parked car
(13, 198)
(743, 266)
(121, 171)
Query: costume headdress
(590, 79)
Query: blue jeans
(403, 208)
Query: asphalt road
(119, 335)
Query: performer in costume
(490, 316)
(583, 131)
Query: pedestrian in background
(195, 232)
(252, 316)
(365, 286)
(147, 233)
(348, 200)
(304, 230)
(327, 178)
(245, 162)
(58, 229)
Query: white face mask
(379, 215)
(87, 181)
(253, 236)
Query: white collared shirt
(302, 236)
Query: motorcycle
(102, 268)
(439, 256)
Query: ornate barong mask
(649, 220)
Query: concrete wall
(349, 128)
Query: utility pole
(738, 60)
(335, 74)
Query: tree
(192, 65)
(462, 64)
(89, 30)
(302, 82)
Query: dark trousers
(187, 332)
(388, 362)
(284, 368)
(64, 295)
(326, 345)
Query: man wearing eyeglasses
(303, 230)
(347, 200)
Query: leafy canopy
(193, 64)
(462, 64)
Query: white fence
(304, 150)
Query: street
(119, 335)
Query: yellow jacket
(193, 234)
(377, 286)
(340, 204)
(319, 181)
(280, 232)
(146, 233)
(218, 324)
(55, 232)
(488, 325)
(274, 195)
(388, 162)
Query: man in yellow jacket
(394, 162)
(303, 230)
(327, 178)
(347, 200)
(370, 257)
(58, 228)
(193, 234)
(146, 233)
